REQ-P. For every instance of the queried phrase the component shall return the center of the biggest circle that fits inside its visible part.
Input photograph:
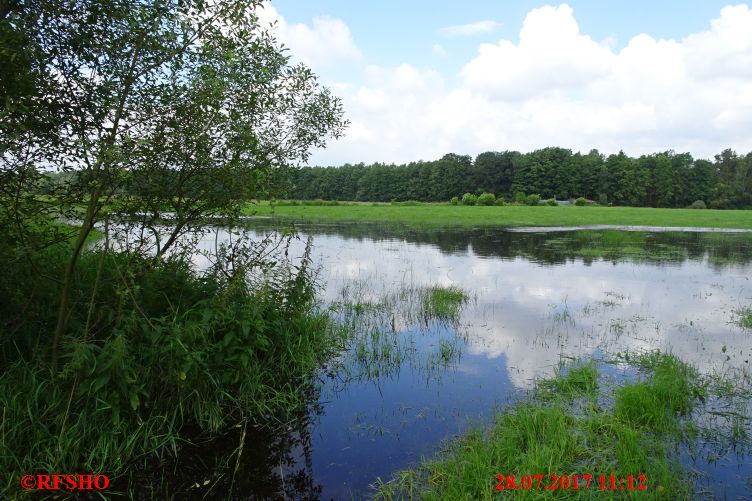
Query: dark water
(537, 298)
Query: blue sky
(419, 79)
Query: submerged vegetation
(381, 333)
(572, 426)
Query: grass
(156, 355)
(444, 303)
(576, 380)
(555, 433)
(511, 215)
(744, 317)
(381, 333)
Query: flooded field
(449, 326)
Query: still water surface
(536, 298)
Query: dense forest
(665, 179)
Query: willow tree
(186, 106)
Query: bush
(500, 202)
(698, 204)
(551, 202)
(580, 201)
(486, 199)
(533, 199)
(469, 199)
(454, 201)
(520, 197)
(188, 353)
(603, 199)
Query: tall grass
(744, 317)
(557, 433)
(382, 332)
(444, 303)
(156, 354)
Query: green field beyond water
(510, 215)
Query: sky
(420, 79)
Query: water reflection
(537, 298)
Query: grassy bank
(156, 354)
(572, 426)
(510, 215)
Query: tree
(188, 107)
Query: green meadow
(508, 215)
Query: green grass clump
(657, 401)
(744, 318)
(551, 435)
(578, 379)
(444, 303)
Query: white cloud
(551, 55)
(554, 86)
(322, 45)
(471, 29)
(438, 50)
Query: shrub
(190, 353)
(469, 199)
(698, 204)
(580, 201)
(520, 197)
(454, 201)
(500, 202)
(603, 199)
(533, 199)
(551, 201)
(486, 199)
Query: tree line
(666, 179)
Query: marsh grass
(157, 355)
(550, 434)
(444, 303)
(578, 379)
(384, 331)
(744, 317)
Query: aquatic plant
(744, 317)
(443, 303)
(557, 436)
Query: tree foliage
(183, 107)
(666, 179)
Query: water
(537, 298)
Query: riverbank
(508, 215)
